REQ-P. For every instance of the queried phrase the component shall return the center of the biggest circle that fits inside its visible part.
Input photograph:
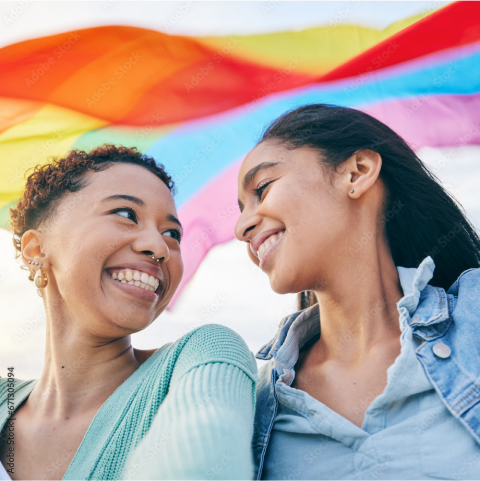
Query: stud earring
(351, 191)
(40, 279)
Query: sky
(26, 19)
(227, 289)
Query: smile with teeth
(136, 278)
(268, 242)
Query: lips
(135, 291)
(263, 244)
(150, 269)
(260, 238)
(153, 271)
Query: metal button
(441, 350)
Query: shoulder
(468, 282)
(466, 311)
(3, 388)
(12, 387)
(157, 354)
(12, 383)
(214, 343)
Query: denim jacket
(448, 320)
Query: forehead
(302, 159)
(130, 179)
(265, 152)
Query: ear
(362, 170)
(32, 249)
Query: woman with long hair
(100, 236)
(377, 376)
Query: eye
(175, 233)
(260, 189)
(129, 211)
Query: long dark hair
(420, 217)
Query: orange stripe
(15, 111)
(125, 75)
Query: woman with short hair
(100, 235)
(377, 376)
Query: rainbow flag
(199, 104)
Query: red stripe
(129, 75)
(452, 26)
(177, 79)
(207, 88)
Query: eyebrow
(251, 175)
(130, 198)
(139, 202)
(172, 218)
(255, 170)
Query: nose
(245, 225)
(158, 259)
(152, 243)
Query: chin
(134, 327)
(280, 287)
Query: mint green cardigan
(186, 413)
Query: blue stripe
(199, 150)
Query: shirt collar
(427, 304)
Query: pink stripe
(208, 219)
(435, 121)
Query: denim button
(441, 350)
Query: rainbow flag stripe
(198, 105)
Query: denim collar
(423, 307)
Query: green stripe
(129, 136)
(5, 214)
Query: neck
(81, 370)
(358, 307)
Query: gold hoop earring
(40, 279)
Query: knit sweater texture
(186, 413)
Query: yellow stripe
(14, 111)
(52, 131)
(314, 51)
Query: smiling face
(297, 219)
(98, 247)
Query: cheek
(253, 258)
(316, 233)
(78, 258)
(175, 269)
(80, 275)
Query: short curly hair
(48, 183)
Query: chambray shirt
(407, 432)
